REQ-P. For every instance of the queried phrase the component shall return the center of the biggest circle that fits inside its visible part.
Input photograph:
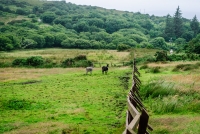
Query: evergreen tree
(194, 24)
(178, 23)
(169, 28)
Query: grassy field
(99, 57)
(66, 100)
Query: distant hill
(28, 24)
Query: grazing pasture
(66, 100)
(62, 100)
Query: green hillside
(46, 24)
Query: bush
(30, 61)
(1, 23)
(4, 64)
(31, 15)
(21, 11)
(80, 57)
(78, 61)
(83, 63)
(144, 66)
(16, 21)
(155, 70)
(123, 47)
(145, 59)
(68, 62)
(19, 62)
(161, 56)
(175, 57)
(185, 67)
(35, 61)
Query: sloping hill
(75, 26)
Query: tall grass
(174, 104)
(161, 97)
(186, 67)
(158, 88)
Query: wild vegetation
(49, 24)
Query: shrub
(31, 15)
(4, 64)
(35, 61)
(175, 57)
(145, 59)
(161, 56)
(197, 64)
(144, 66)
(80, 57)
(21, 11)
(68, 62)
(123, 47)
(185, 67)
(1, 23)
(16, 21)
(83, 63)
(19, 62)
(155, 70)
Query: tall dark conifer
(194, 25)
(178, 23)
(169, 28)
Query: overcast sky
(189, 8)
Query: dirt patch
(172, 124)
(31, 82)
(8, 74)
(41, 128)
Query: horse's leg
(86, 72)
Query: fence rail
(137, 116)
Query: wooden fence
(137, 116)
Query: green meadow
(67, 101)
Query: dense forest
(30, 24)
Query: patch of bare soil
(173, 124)
(8, 74)
(41, 128)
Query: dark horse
(105, 69)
